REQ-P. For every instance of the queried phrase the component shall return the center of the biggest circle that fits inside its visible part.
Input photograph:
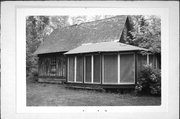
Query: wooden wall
(52, 65)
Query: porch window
(110, 69)
(79, 69)
(127, 68)
(96, 71)
(88, 69)
(71, 68)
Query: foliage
(146, 32)
(38, 27)
(79, 19)
(59, 21)
(149, 81)
(35, 26)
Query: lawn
(41, 94)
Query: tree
(59, 21)
(146, 32)
(35, 26)
(78, 19)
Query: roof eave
(104, 51)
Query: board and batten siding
(52, 66)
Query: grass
(41, 94)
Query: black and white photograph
(100, 60)
(89, 60)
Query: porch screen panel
(151, 60)
(79, 69)
(88, 69)
(96, 69)
(110, 69)
(127, 68)
(142, 60)
(71, 68)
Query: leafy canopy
(146, 32)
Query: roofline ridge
(101, 19)
(90, 21)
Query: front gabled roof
(111, 46)
(67, 38)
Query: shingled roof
(104, 47)
(67, 38)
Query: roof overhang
(104, 47)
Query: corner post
(118, 68)
(147, 59)
(75, 63)
(92, 68)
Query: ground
(41, 94)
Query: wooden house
(92, 53)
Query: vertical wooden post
(38, 65)
(92, 68)
(102, 69)
(147, 59)
(75, 60)
(136, 75)
(67, 69)
(83, 68)
(118, 68)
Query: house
(92, 53)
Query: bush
(149, 81)
(33, 75)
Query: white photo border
(116, 8)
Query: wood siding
(52, 65)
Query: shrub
(149, 81)
(33, 75)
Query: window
(110, 68)
(71, 69)
(88, 69)
(127, 68)
(79, 69)
(96, 71)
